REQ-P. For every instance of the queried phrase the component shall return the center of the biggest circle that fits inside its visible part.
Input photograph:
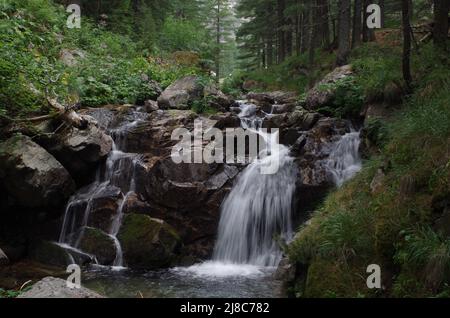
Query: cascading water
(118, 171)
(256, 215)
(258, 209)
(344, 160)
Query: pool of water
(209, 279)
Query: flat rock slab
(51, 287)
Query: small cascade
(118, 171)
(344, 160)
(257, 211)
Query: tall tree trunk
(381, 3)
(218, 50)
(325, 17)
(343, 32)
(280, 27)
(357, 23)
(313, 25)
(298, 34)
(269, 51)
(440, 29)
(304, 31)
(288, 36)
(368, 34)
(406, 63)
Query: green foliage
(357, 226)
(107, 68)
(348, 101)
(182, 35)
(293, 74)
(203, 104)
(376, 66)
(5, 293)
(376, 132)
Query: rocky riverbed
(110, 194)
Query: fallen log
(69, 114)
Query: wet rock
(311, 151)
(292, 124)
(100, 244)
(4, 260)
(285, 270)
(104, 208)
(51, 287)
(51, 253)
(281, 109)
(275, 97)
(323, 93)
(170, 189)
(134, 204)
(31, 175)
(151, 106)
(79, 151)
(180, 93)
(147, 242)
(226, 120)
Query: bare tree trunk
(381, 3)
(281, 35)
(304, 31)
(325, 13)
(343, 32)
(368, 34)
(269, 51)
(289, 46)
(406, 63)
(440, 29)
(312, 32)
(357, 23)
(218, 51)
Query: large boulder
(311, 152)
(104, 207)
(147, 242)
(275, 97)
(4, 260)
(169, 188)
(292, 124)
(51, 287)
(78, 150)
(180, 93)
(31, 175)
(51, 253)
(100, 244)
(323, 93)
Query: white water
(118, 171)
(344, 161)
(256, 215)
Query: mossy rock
(100, 244)
(51, 253)
(147, 242)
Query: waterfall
(257, 211)
(118, 171)
(344, 160)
